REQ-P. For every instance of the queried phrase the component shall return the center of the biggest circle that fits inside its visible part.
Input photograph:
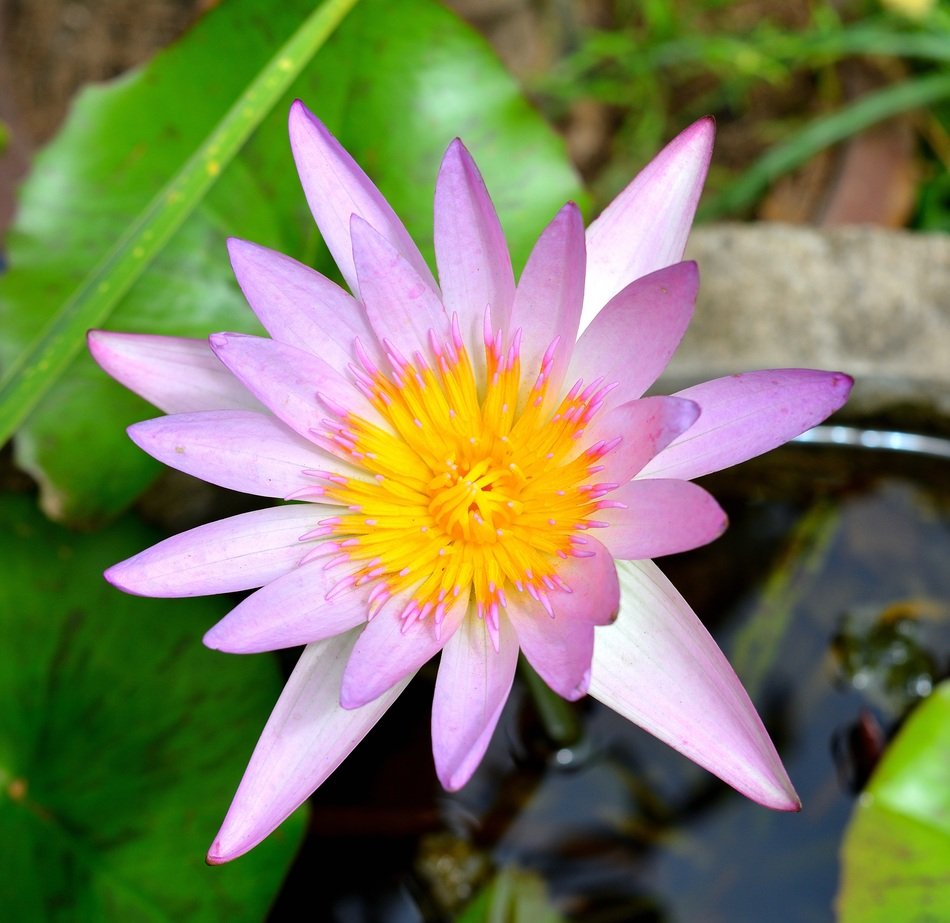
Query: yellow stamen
(467, 492)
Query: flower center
(467, 490)
(474, 502)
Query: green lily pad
(121, 740)
(896, 852)
(396, 82)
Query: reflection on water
(831, 595)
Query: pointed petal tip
(219, 854)
(781, 797)
(690, 410)
(238, 246)
(454, 768)
(222, 340)
(105, 346)
(222, 638)
(456, 149)
(842, 383)
(97, 342)
(127, 578)
(212, 639)
(704, 128)
(455, 778)
(116, 576)
(298, 111)
(302, 126)
(351, 698)
(700, 137)
(94, 337)
(570, 212)
(580, 690)
(723, 525)
(694, 143)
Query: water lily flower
(464, 473)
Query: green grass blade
(822, 133)
(35, 371)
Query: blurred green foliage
(668, 63)
(897, 847)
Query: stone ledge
(870, 302)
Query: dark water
(830, 594)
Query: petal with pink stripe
(747, 414)
(290, 611)
(470, 250)
(176, 374)
(470, 692)
(336, 189)
(394, 645)
(238, 449)
(633, 338)
(548, 300)
(227, 556)
(300, 307)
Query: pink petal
(659, 668)
(660, 517)
(646, 426)
(336, 189)
(470, 250)
(400, 304)
(176, 374)
(390, 648)
(237, 449)
(289, 611)
(294, 385)
(226, 556)
(646, 226)
(299, 306)
(470, 692)
(560, 648)
(633, 338)
(307, 736)
(550, 293)
(745, 415)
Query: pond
(830, 595)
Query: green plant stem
(557, 715)
(28, 379)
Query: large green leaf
(896, 853)
(121, 740)
(27, 379)
(396, 83)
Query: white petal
(646, 226)
(659, 668)
(307, 736)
